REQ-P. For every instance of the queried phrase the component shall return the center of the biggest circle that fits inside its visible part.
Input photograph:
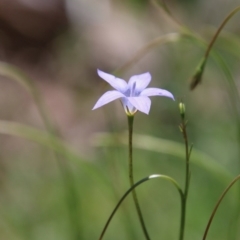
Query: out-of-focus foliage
(55, 183)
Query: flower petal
(142, 81)
(117, 83)
(107, 97)
(142, 104)
(156, 92)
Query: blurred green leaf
(50, 141)
(166, 147)
(17, 75)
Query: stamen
(132, 94)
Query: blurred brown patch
(29, 26)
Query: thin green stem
(183, 28)
(235, 100)
(132, 189)
(162, 7)
(233, 93)
(229, 16)
(131, 178)
(217, 205)
(197, 78)
(187, 178)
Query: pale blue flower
(134, 95)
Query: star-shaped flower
(134, 95)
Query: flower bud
(197, 77)
(182, 109)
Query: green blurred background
(65, 187)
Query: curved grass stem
(131, 189)
(171, 37)
(215, 36)
(217, 205)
